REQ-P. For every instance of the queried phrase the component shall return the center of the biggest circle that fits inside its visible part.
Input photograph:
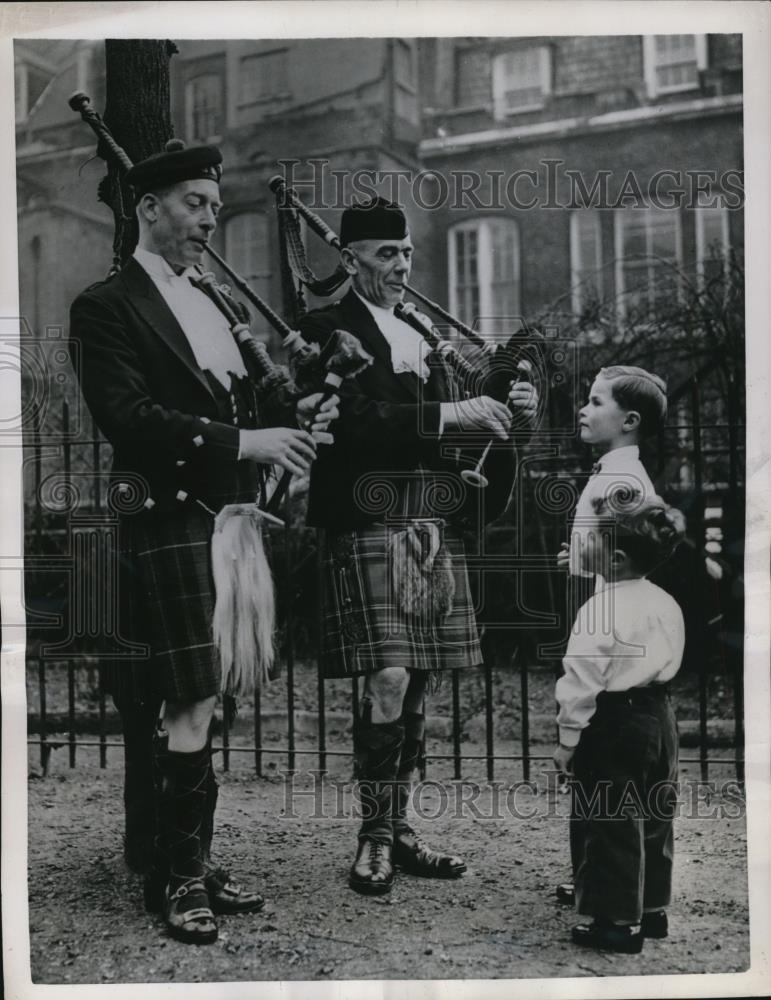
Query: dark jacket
(388, 429)
(150, 399)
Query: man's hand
(321, 421)
(482, 413)
(293, 450)
(563, 556)
(563, 757)
(523, 398)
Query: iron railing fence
(699, 461)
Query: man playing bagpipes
(169, 388)
(397, 603)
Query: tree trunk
(138, 113)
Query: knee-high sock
(414, 731)
(184, 793)
(378, 747)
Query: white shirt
(408, 348)
(641, 643)
(618, 468)
(205, 327)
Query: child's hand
(563, 758)
(563, 556)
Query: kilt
(167, 603)
(365, 626)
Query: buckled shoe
(413, 856)
(227, 895)
(187, 916)
(372, 872)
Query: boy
(617, 728)
(625, 404)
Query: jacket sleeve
(115, 386)
(367, 426)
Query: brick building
(543, 168)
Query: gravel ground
(500, 921)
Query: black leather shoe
(655, 925)
(372, 872)
(188, 916)
(566, 894)
(609, 937)
(413, 856)
(227, 895)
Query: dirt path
(499, 921)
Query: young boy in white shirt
(617, 730)
(625, 405)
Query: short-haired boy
(617, 730)
(625, 405)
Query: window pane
(650, 254)
(676, 61)
(587, 257)
(205, 106)
(521, 83)
(404, 63)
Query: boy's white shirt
(620, 467)
(628, 635)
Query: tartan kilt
(167, 603)
(365, 626)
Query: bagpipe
(244, 613)
(490, 369)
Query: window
(247, 250)
(405, 80)
(521, 80)
(30, 82)
(263, 77)
(585, 258)
(203, 107)
(484, 272)
(712, 243)
(672, 62)
(648, 259)
(404, 63)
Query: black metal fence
(70, 521)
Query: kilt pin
(174, 430)
(395, 513)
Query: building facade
(535, 171)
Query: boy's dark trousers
(624, 801)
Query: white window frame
(189, 87)
(500, 111)
(650, 66)
(485, 276)
(579, 267)
(702, 251)
(620, 215)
